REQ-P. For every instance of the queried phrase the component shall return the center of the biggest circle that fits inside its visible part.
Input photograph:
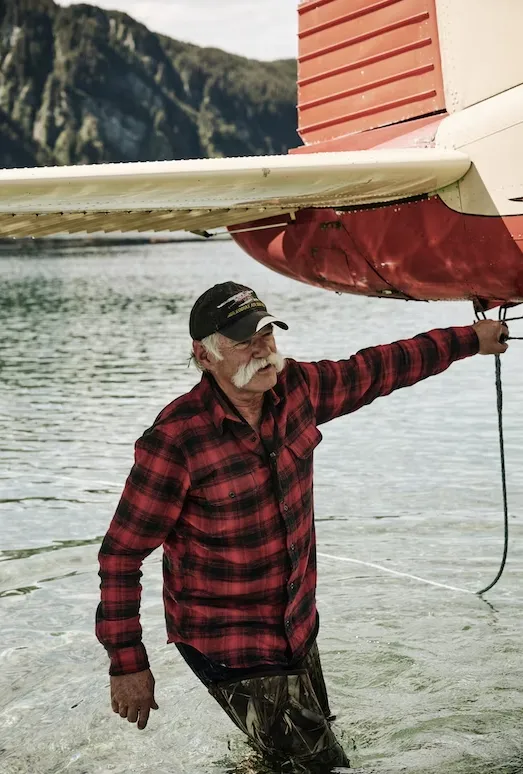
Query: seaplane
(408, 184)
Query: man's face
(251, 366)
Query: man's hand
(490, 334)
(132, 696)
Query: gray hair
(212, 344)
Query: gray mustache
(245, 373)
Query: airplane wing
(210, 193)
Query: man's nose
(261, 349)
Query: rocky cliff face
(80, 85)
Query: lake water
(423, 678)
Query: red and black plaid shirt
(235, 520)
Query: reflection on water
(41, 298)
(28, 589)
(21, 590)
(23, 553)
(423, 679)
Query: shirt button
(293, 546)
(292, 586)
(253, 439)
(285, 507)
(288, 623)
(231, 494)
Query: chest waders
(285, 715)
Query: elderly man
(223, 480)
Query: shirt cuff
(127, 661)
(468, 341)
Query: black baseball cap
(232, 310)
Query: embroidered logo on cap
(243, 296)
(246, 300)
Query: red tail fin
(375, 64)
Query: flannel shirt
(235, 520)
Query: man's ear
(202, 356)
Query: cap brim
(251, 324)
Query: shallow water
(423, 678)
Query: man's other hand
(132, 696)
(490, 334)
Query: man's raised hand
(492, 335)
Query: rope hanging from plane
(480, 314)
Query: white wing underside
(212, 193)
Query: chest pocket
(221, 510)
(304, 444)
(301, 449)
(220, 494)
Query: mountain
(80, 85)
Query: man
(223, 480)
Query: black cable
(499, 394)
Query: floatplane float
(409, 184)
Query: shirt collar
(219, 406)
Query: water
(423, 679)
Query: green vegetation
(80, 85)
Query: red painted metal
(374, 65)
(357, 89)
(416, 250)
(380, 108)
(333, 22)
(364, 36)
(360, 63)
(419, 133)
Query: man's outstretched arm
(341, 387)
